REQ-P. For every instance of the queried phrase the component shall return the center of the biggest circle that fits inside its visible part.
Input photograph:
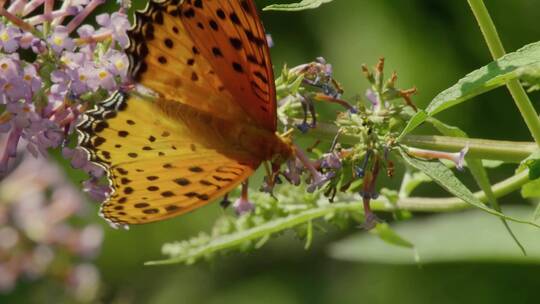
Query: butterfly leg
(243, 205)
(304, 126)
(225, 202)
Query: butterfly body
(212, 121)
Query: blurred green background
(431, 44)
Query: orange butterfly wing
(231, 36)
(159, 166)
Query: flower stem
(496, 49)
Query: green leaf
(531, 77)
(487, 78)
(533, 163)
(531, 189)
(536, 214)
(492, 164)
(413, 123)
(445, 129)
(478, 171)
(302, 5)
(453, 237)
(385, 233)
(448, 181)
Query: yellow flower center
(82, 77)
(119, 64)
(4, 66)
(65, 60)
(103, 74)
(27, 77)
(4, 36)
(58, 40)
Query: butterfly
(212, 122)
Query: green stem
(496, 49)
(507, 151)
(421, 204)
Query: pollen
(4, 36)
(58, 40)
(103, 74)
(119, 64)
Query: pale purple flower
(269, 40)
(9, 66)
(41, 114)
(102, 78)
(95, 190)
(43, 134)
(331, 161)
(79, 157)
(60, 40)
(118, 24)
(38, 46)
(319, 180)
(117, 63)
(293, 171)
(10, 149)
(73, 60)
(243, 206)
(458, 158)
(9, 36)
(31, 78)
(16, 89)
(23, 114)
(374, 99)
(86, 31)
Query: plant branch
(507, 151)
(423, 204)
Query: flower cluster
(374, 121)
(37, 238)
(52, 68)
